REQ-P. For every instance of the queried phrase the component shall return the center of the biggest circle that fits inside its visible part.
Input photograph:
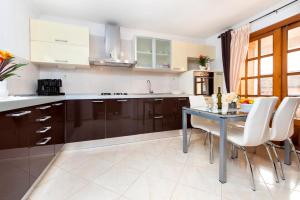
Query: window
(257, 77)
(272, 66)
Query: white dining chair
(204, 124)
(283, 126)
(256, 130)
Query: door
(121, 117)
(58, 116)
(14, 154)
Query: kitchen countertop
(16, 102)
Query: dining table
(222, 116)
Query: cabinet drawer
(44, 52)
(59, 33)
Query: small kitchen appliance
(49, 87)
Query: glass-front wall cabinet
(153, 53)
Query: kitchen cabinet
(56, 43)
(14, 154)
(153, 53)
(179, 56)
(53, 32)
(58, 124)
(121, 117)
(44, 52)
(195, 50)
(160, 114)
(85, 120)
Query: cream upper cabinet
(55, 43)
(195, 50)
(179, 56)
(58, 33)
(45, 52)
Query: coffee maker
(49, 87)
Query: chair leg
(278, 160)
(211, 153)
(294, 150)
(274, 164)
(251, 169)
(205, 139)
(190, 136)
(234, 152)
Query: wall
(264, 22)
(14, 37)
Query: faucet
(149, 87)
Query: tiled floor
(157, 170)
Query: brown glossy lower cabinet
(85, 120)
(27, 145)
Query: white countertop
(16, 102)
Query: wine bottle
(219, 96)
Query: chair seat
(204, 124)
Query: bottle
(219, 96)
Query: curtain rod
(274, 11)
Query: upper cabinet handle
(122, 100)
(57, 104)
(60, 40)
(43, 108)
(20, 114)
(97, 101)
(158, 99)
(61, 61)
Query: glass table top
(227, 112)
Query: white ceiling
(193, 18)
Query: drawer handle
(43, 108)
(122, 100)
(57, 104)
(60, 40)
(44, 141)
(44, 130)
(20, 114)
(158, 99)
(159, 117)
(61, 61)
(181, 99)
(43, 119)
(97, 101)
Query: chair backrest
(283, 121)
(197, 101)
(256, 130)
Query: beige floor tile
(188, 193)
(280, 193)
(118, 178)
(58, 188)
(205, 179)
(94, 192)
(150, 188)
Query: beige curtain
(239, 47)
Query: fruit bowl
(246, 105)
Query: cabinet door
(145, 115)
(121, 117)
(162, 54)
(179, 56)
(58, 33)
(144, 52)
(85, 120)
(170, 107)
(45, 52)
(58, 127)
(182, 102)
(14, 155)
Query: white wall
(264, 22)
(14, 37)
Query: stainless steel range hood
(112, 49)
